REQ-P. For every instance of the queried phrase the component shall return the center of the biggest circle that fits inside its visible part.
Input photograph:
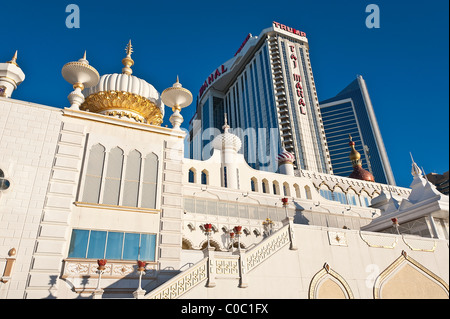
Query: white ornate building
(89, 190)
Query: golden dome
(358, 171)
(125, 96)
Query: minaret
(11, 75)
(358, 171)
(229, 145)
(286, 162)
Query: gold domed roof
(125, 96)
(358, 171)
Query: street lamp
(238, 232)
(208, 230)
(395, 224)
(268, 226)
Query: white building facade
(100, 203)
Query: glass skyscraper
(268, 92)
(351, 112)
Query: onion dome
(358, 171)
(285, 157)
(227, 140)
(125, 96)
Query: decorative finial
(128, 61)
(14, 59)
(177, 98)
(226, 127)
(83, 59)
(415, 170)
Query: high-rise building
(351, 112)
(267, 91)
(440, 181)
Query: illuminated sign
(289, 29)
(298, 81)
(243, 44)
(212, 78)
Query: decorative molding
(326, 271)
(113, 269)
(419, 244)
(115, 207)
(337, 238)
(392, 268)
(379, 241)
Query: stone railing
(267, 248)
(215, 266)
(182, 282)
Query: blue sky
(405, 62)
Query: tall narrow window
(308, 192)
(225, 184)
(204, 177)
(131, 184)
(286, 189)
(191, 175)
(149, 180)
(297, 191)
(94, 172)
(113, 177)
(254, 182)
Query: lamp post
(285, 202)
(395, 224)
(232, 240)
(238, 232)
(268, 226)
(141, 271)
(98, 292)
(208, 230)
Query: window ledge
(114, 269)
(121, 208)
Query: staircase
(216, 266)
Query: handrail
(181, 283)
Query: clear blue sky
(405, 62)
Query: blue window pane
(147, 249)
(114, 245)
(131, 247)
(78, 243)
(97, 243)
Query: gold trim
(114, 207)
(321, 274)
(404, 258)
(123, 101)
(125, 123)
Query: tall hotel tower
(267, 91)
(351, 112)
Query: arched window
(204, 177)
(132, 176)
(352, 197)
(265, 186)
(308, 192)
(297, 191)
(276, 188)
(325, 192)
(94, 173)
(365, 199)
(254, 184)
(149, 181)
(286, 189)
(339, 195)
(113, 177)
(191, 177)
